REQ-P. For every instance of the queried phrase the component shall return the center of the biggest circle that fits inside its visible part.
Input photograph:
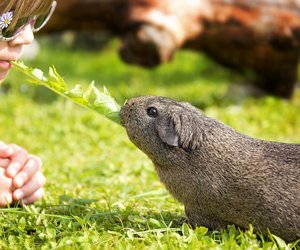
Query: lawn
(101, 191)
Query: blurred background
(259, 39)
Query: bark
(261, 36)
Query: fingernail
(19, 182)
(12, 169)
(12, 172)
(18, 195)
(30, 163)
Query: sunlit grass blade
(93, 99)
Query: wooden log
(261, 36)
(88, 15)
(258, 36)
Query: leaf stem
(93, 99)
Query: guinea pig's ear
(178, 128)
(166, 130)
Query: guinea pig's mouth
(124, 114)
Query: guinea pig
(220, 175)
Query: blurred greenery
(101, 191)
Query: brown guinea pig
(221, 176)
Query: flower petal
(6, 19)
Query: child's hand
(24, 170)
(6, 189)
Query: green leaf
(76, 92)
(39, 75)
(79, 220)
(136, 218)
(201, 231)
(93, 99)
(280, 242)
(22, 223)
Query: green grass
(101, 191)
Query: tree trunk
(262, 36)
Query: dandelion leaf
(93, 99)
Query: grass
(101, 191)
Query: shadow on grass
(82, 212)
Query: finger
(33, 165)
(5, 198)
(5, 150)
(18, 159)
(35, 196)
(4, 162)
(6, 189)
(35, 183)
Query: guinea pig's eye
(152, 112)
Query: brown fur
(221, 176)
